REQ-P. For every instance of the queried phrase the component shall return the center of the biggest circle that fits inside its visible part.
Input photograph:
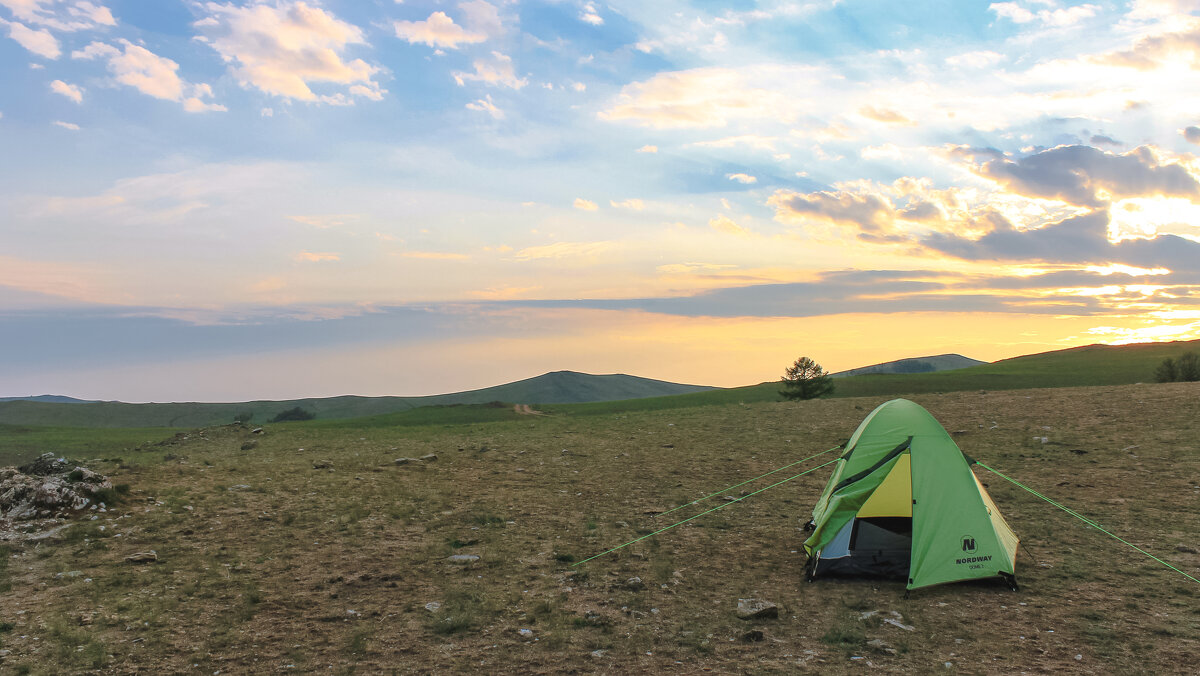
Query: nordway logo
(973, 559)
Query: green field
(269, 565)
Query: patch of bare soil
(266, 564)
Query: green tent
(903, 502)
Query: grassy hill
(550, 388)
(940, 362)
(1090, 365)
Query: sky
(225, 201)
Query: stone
(463, 558)
(634, 583)
(753, 636)
(1184, 549)
(756, 609)
(890, 617)
(433, 606)
(404, 461)
(429, 458)
(527, 633)
(249, 445)
(256, 430)
(322, 464)
(880, 646)
(143, 557)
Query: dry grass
(267, 565)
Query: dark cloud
(1102, 140)
(869, 212)
(1077, 240)
(1075, 174)
(1192, 134)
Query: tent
(903, 502)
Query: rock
(598, 654)
(404, 461)
(890, 617)
(1187, 550)
(322, 464)
(433, 606)
(69, 573)
(47, 464)
(634, 583)
(755, 609)
(753, 636)
(880, 646)
(249, 445)
(256, 430)
(463, 558)
(240, 487)
(429, 458)
(527, 633)
(143, 557)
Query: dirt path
(524, 409)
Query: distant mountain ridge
(50, 399)
(558, 387)
(940, 362)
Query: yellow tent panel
(893, 496)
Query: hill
(49, 399)
(941, 362)
(560, 387)
(1090, 365)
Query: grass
(262, 557)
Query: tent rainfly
(903, 502)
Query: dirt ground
(266, 564)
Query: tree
(296, 413)
(1186, 369)
(1189, 368)
(1166, 371)
(805, 379)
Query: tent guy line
(729, 488)
(734, 501)
(1086, 520)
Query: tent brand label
(973, 559)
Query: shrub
(296, 413)
(1186, 369)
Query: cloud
(589, 15)
(709, 97)
(151, 74)
(885, 115)
(723, 223)
(61, 15)
(485, 105)
(1089, 177)
(439, 30)
(1019, 14)
(742, 178)
(282, 49)
(497, 70)
(1077, 240)
(585, 205)
(872, 213)
(647, 149)
(1192, 134)
(38, 41)
(317, 257)
(976, 59)
(635, 204)
(68, 90)
(435, 255)
(67, 125)
(1153, 51)
(560, 250)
